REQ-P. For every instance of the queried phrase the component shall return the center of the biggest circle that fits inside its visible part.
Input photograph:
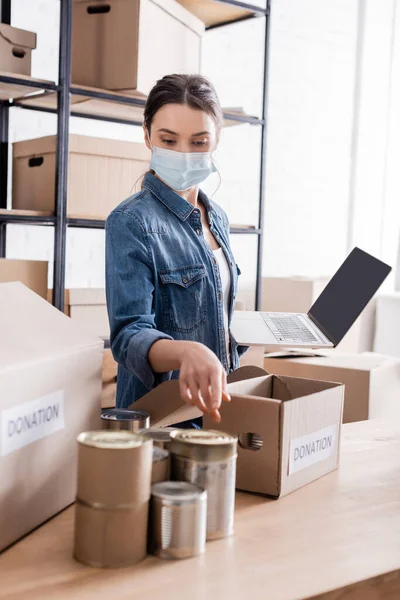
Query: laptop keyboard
(289, 328)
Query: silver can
(125, 419)
(178, 517)
(161, 436)
(160, 470)
(208, 459)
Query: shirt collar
(178, 205)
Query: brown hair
(195, 91)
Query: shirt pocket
(184, 297)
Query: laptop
(330, 317)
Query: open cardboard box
(372, 381)
(288, 428)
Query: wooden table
(340, 533)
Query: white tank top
(225, 275)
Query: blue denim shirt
(163, 282)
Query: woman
(171, 278)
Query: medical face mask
(181, 170)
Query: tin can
(208, 459)
(161, 436)
(125, 419)
(160, 471)
(178, 517)
(114, 484)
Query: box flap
(82, 144)
(18, 37)
(87, 296)
(32, 329)
(246, 372)
(165, 405)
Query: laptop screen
(347, 294)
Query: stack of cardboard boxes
(372, 380)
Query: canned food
(208, 459)
(114, 482)
(160, 470)
(178, 516)
(125, 419)
(161, 436)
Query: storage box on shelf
(16, 47)
(102, 173)
(50, 388)
(113, 48)
(87, 306)
(288, 428)
(387, 332)
(297, 294)
(372, 381)
(32, 273)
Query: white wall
(333, 135)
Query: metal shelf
(103, 105)
(15, 86)
(71, 100)
(37, 218)
(218, 13)
(26, 217)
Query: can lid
(112, 440)
(124, 414)
(203, 445)
(159, 434)
(209, 437)
(159, 454)
(177, 491)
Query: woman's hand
(202, 379)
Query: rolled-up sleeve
(129, 289)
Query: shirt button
(198, 231)
(214, 260)
(184, 280)
(219, 296)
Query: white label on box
(29, 422)
(312, 448)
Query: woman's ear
(147, 138)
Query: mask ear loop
(219, 178)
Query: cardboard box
(88, 307)
(109, 380)
(113, 48)
(387, 338)
(16, 47)
(288, 429)
(298, 294)
(254, 357)
(32, 273)
(101, 174)
(372, 381)
(66, 300)
(50, 388)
